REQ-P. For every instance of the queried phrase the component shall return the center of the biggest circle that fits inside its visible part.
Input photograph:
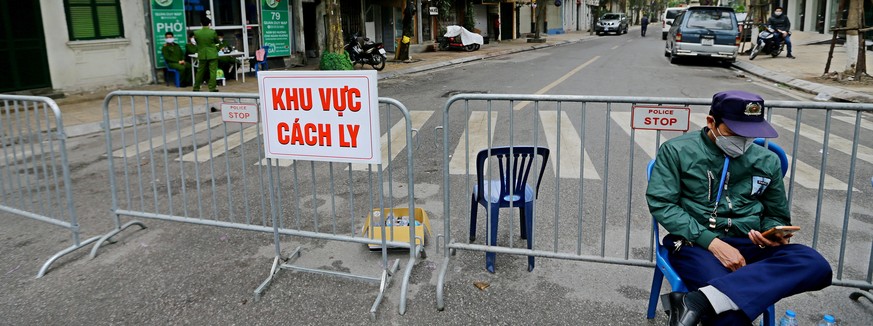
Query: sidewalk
(83, 114)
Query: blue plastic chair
(665, 270)
(167, 72)
(263, 63)
(496, 193)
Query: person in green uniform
(175, 59)
(715, 192)
(207, 54)
(226, 63)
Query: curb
(836, 93)
(447, 63)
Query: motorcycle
(455, 37)
(365, 52)
(770, 41)
(454, 42)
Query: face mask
(733, 146)
(170, 40)
(778, 13)
(220, 39)
(193, 41)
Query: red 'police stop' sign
(671, 118)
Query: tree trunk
(853, 21)
(861, 65)
(335, 27)
(841, 6)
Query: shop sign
(167, 16)
(434, 11)
(276, 32)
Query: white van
(667, 18)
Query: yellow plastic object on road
(396, 217)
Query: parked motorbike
(770, 41)
(454, 43)
(365, 52)
(454, 39)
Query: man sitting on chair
(175, 59)
(715, 192)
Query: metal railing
(586, 211)
(35, 171)
(193, 168)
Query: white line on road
(836, 142)
(570, 147)
(644, 138)
(548, 87)
(172, 137)
(277, 162)
(479, 126)
(233, 141)
(398, 138)
(851, 120)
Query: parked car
(667, 19)
(611, 22)
(710, 32)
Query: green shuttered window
(93, 19)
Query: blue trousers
(770, 274)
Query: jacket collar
(710, 145)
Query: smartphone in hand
(778, 232)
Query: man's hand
(784, 33)
(762, 242)
(729, 256)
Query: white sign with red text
(321, 115)
(239, 112)
(649, 117)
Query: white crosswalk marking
(281, 162)
(172, 138)
(807, 177)
(570, 147)
(836, 142)
(851, 120)
(233, 141)
(644, 138)
(479, 127)
(398, 137)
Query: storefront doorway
(23, 57)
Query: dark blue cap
(743, 113)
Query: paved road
(177, 273)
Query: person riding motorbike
(781, 23)
(644, 24)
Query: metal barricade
(586, 211)
(35, 172)
(169, 163)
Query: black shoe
(791, 57)
(679, 311)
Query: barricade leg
(61, 253)
(35, 177)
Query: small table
(236, 65)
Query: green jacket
(172, 53)
(683, 187)
(206, 39)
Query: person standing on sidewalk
(207, 54)
(781, 23)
